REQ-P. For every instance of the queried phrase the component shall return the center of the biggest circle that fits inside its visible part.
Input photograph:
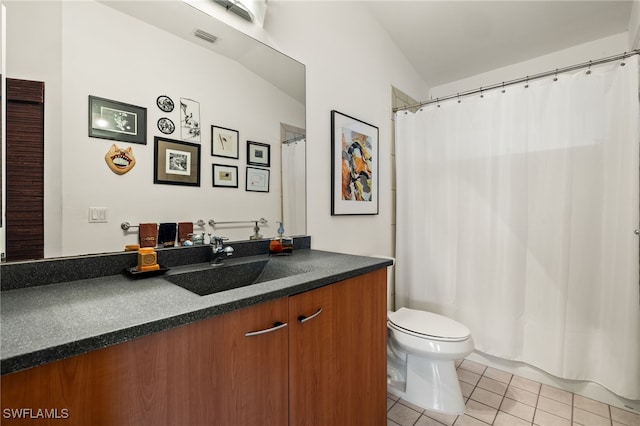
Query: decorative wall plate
(120, 160)
(165, 103)
(166, 126)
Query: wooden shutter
(25, 170)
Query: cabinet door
(205, 373)
(337, 353)
(236, 379)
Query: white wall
(107, 54)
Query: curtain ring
(503, 89)
(555, 76)
(624, 56)
(481, 94)
(589, 69)
(526, 85)
(438, 102)
(459, 98)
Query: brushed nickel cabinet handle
(276, 326)
(303, 318)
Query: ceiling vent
(205, 36)
(236, 7)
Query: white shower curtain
(516, 214)
(294, 187)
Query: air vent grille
(205, 36)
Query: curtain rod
(293, 140)
(528, 78)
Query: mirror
(133, 52)
(3, 73)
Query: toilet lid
(428, 324)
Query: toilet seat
(427, 325)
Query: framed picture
(258, 154)
(354, 166)
(176, 162)
(257, 180)
(189, 120)
(224, 142)
(117, 121)
(225, 176)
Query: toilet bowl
(422, 348)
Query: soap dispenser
(280, 244)
(275, 245)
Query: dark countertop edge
(67, 350)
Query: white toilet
(421, 351)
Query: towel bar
(261, 221)
(126, 225)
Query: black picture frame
(258, 154)
(354, 166)
(257, 180)
(118, 121)
(225, 142)
(224, 175)
(176, 162)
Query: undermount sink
(214, 279)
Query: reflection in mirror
(293, 179)
(3, 163)
(133, 52)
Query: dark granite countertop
(50, 322)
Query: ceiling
(449, 40)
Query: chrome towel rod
(126, 225)
(261, 221)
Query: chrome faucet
(218, 250)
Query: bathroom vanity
(301, 349)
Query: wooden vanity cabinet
(328, 369)
(204, 373)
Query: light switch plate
(97, 215)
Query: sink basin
(215, 279)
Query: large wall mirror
(131, 53)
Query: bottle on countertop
(280, 244)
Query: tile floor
(494, 397)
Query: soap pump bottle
(275, 245)
(285, 242)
